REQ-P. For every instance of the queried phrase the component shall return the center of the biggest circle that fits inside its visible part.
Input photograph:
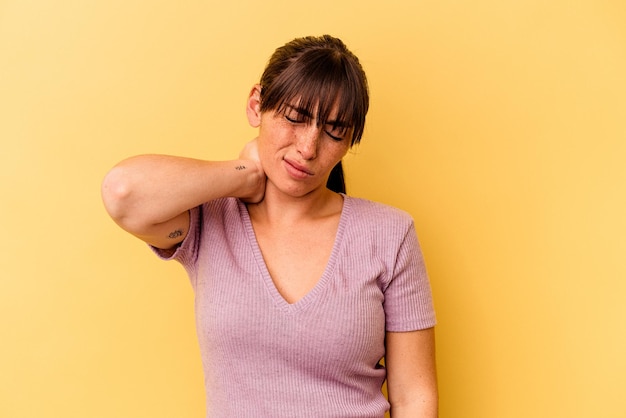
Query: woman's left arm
(411, 374)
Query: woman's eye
(334, 136)
(294, 119)
(338, 133)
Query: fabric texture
(318, 357)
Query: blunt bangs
(316, 81)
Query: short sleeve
(187, 251)
(408, 298)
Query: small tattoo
(240, 167)
(175, 234)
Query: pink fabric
(319, 357)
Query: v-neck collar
(321, 284)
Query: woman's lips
(297, 170)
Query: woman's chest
(297, 256)
(341, 318)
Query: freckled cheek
(278, 137)
(270, 151)
(341, 150)
(334, 156)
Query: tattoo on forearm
(175, 234)
(240, 167)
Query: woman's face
(297, 155)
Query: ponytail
(336, 181)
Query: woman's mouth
(296, 170)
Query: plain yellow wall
(499, 125)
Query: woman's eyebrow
(338, 123)
(302, 111)
(299, 110)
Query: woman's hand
(250, 155)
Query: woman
(300, 289)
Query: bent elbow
(115, 192)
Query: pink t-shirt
(319, 357)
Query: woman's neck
(280, 208)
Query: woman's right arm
(150, 195)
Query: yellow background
(499, 125)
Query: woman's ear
(253, 109)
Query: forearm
(418, 409)
(152, 189)
(411, 374)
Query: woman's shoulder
(219, 213)
(377, 213)
(222, 205)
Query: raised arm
(150, 195)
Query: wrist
(251, 180)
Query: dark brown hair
(320, 73)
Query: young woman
(301, 290)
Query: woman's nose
(308, 139)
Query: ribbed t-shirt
(321, 356)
